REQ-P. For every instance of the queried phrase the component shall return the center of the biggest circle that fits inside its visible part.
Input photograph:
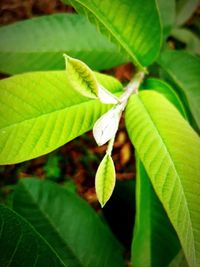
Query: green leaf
(184, 10)
(170, 151)
(166, 90)
(107, 125)
(153, 232)
(39, 43)
(183, 69)
(167, 13)
(126, 23)
(179, 260)
(105, 179)
(81, 78)
(189, 38)
(21, 245)
(40, 112)
(68, 224)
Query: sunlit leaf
(128, 24)
(170, 151)
(41, 111)
(105, 179)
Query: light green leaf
(105, 179)
(166, 90)
(39, 43)
(40, 112)
(189, 38)
(153, 232)
(126, 23)
(21, 245)
(68, 224)
(167, 13)
(81, 77)
(184, 70)
(83, 80)
(184, 10)
(170, 151)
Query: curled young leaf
(82, 78)
(84, 81)
(106, 126)
(105, 179)
(106, 97)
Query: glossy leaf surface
(39, 43)
(167, 11)
(166, 90)
(126, 23)
(153, 233)
(105, 179)
(21, 245)
(81, 78)
(68, 224)
(170, 151)
(184, 70)
(40, 112)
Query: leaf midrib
(48, 219)
(175, 169)
(116, 35)
(44, 114)
(37, 233)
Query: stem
(132, 87)
(110, 146)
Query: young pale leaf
(170, 151)
(105, 179)
(106, 97)
(81, 77)
(106, 126)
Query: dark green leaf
(189, 38)
(21, 245)
(184, 70)
(153, 233)
(68, 223)
(184, 10)
(39, 43)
